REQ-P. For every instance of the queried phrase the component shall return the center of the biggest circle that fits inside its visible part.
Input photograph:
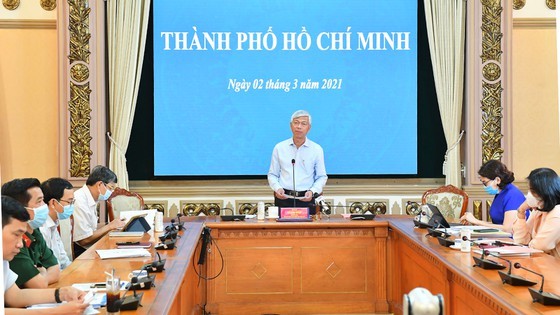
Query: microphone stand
(508, 277)
(294, 193)
(180, 225)
(484, 263)
(131, 302)
(442, 239)
(156, 265)
(545, 298)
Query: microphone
(482, 262)
(418, 222)
(545, 298)
(180, 224)
(320, 201)
(167, 244)
(155, 266)
(144, 283)
(131, 302)
(441, 236)
(508, 278)
(435, 233)
(294, 180)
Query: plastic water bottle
(260, 210)
(159, 222)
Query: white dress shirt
(10, 277)
(54, 241)
(85, 214)
(310, 172)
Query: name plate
(294, 213)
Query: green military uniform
(33, 254)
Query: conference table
(328, 266)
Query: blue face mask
(40, 217)
(490, 189)
(66, 213)
(105, 196)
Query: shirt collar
(91, 202)
(50, 222)
(305, 143)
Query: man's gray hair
(300, 113)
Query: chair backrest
(451, 201)
(65, 228)
(123, 200)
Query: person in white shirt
(98, 187)
(14, 226)
(58, 194)
(302, 156)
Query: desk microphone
(435, 233)
(144, 283)
(180, 225)
(507, 277)
(294, 192)
(131, 302)
(545, 298)
(320, 201)
(418, 222)
(441, 236)
(166, 244)
(156, 265)
(482, 262)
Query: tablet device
(437, 219)
(137, 223)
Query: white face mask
(532, 201)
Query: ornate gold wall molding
(10, 4)
(48, 5)
(28, 24)
(79, 103)
(491, 103)
(551, 4)
(518, 4)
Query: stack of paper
(510, 250)
(477, 231)
(122, 253)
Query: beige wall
(29, 138)
(536, 141)
(28, 103)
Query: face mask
(490, 189)
(531, 200)
(66, 213)
(40, 217)
(105, 196)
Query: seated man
(59, 196)
(35, 265)
(14, 227)
(98, 187)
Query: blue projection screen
(228, 75)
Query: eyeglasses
(70, 202)
(485, 183)
(300, 123)
(110, 187)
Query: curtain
(127, 24)
(445, 23)
(558, 62)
